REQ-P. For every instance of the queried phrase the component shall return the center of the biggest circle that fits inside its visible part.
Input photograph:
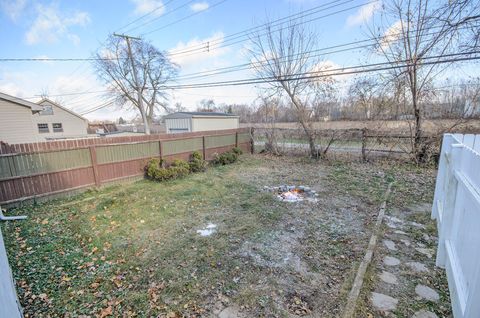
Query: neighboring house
(58, 122)
(16, 120)
(22, 121)
(199, 121)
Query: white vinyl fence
(9, 306)
(456, 208)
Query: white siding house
(57, 122)
(199, 121)
(16, 120)
(22, 121)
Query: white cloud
(51, 25)
(13, 8)
(153, 7)
(199, 6)
(364, 14)
(392, 34)
(204, 49)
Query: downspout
(10, 218)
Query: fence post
(449, 202)
(236, 139)
(203, 148)
(364, 144)
(252, 142)
(160, 148)
(93, 156)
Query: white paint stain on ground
(208, 230)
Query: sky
(79, 28)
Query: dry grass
(134, 251)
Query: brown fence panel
(34, 170)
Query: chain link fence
(359, 143)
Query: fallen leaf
(106, 312)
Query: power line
(145, 15)
(376, 67)
(184, 18)
(246, 66)
(274, 23)
(55, 59)
(163, 16)
(104, 105)
(331, 72)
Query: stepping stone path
(391, 261)
(425, 251)
(406, 242)
(388, 278)
(424, 314)
(427, 293)
(405, 267)
(418, 267)
(384, 302)
(390, 245)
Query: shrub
(237, 150)
(163, 174)
(179, 168)
(156, 171)
(152, 166)
(197, 163)
(225, 158)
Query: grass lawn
(133, 250)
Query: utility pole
(135, 77)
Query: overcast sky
(77, 29)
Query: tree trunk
(417, 138)
(306, 129)
(145, 121)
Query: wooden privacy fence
(456, 208)
(28, 171)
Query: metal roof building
(199, 121)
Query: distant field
(393, 126)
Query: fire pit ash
(293, 193)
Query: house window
(57, 127)
(43, 128)
(47, 110)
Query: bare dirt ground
(430, 126)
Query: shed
(199, 121)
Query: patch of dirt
(309, 259)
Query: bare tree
(281, 56)
(411, 32)
(268, 107)
(206, 105)
(154, 70)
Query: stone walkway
(405, 281)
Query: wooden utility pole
(135, 78)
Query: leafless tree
(281, 55)
(412, 32)
(268, 107)
(154, 71)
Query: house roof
(59, 106)
(21, 102)
(198, 114)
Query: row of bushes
(156, 169)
